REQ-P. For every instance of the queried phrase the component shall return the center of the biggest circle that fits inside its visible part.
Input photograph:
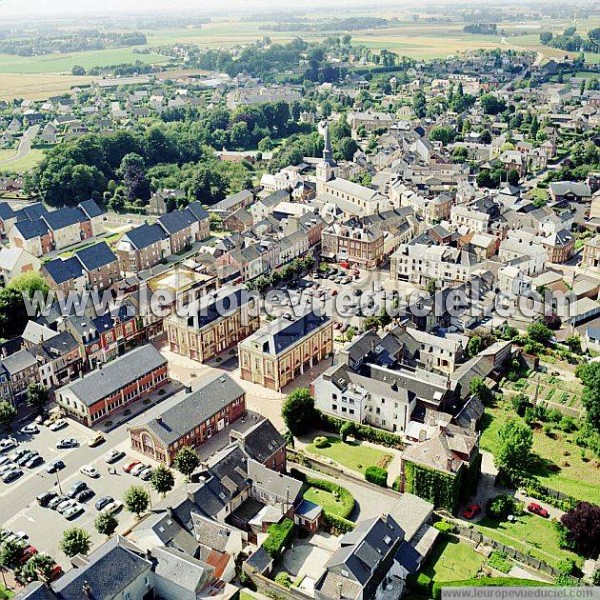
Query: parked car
(63, 506)
(44, 498)
(57, 425)
(56, 502)
(104, 501)
(67, 443)
(96, 441)
(55, 465)
(113, 507)
(25, 458)
(12, 475)
(56, 573)
(7, 444)
(113, 456)
(146, 474)
(73, 512)
(18, 536)
(18, 453)
(5, 460)
(536, 509)
(30, 429)
(76, 488)
(85, 495)
(34, 461)
(90, 471)
(28, 553)
(138, 469)
(6, 468)
(127, 468)
(472, 511)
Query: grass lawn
(558, 461)
(26, 163)
(452, 561)
(529, 534)
(325, 499)
(354, 455)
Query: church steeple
(327, 151)
(326, 169)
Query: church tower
(326, 168)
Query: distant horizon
(74, 8)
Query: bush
(279, 536)
(283, 579)
(445, 526)
(377, 475)
(347, 429)
(363, 432)
(567, 566)
(321, 442)
(500, 506)
(420, 584)
(499, 561)
(397, 485)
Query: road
(24, 146)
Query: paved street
(24, 147)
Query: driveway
(24, 146)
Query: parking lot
(19, 509)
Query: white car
(138, 469)
(113, 456)
(57, 425)
(67, 443)
(19, 536)
(4, 469)
(113, 507)
(31, 428)
(90, 471)
(63, 506)
(5, 460)
(73, 511)
(7, 444)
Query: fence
(525, 559)
(315, 464)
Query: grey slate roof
(19, 361)
(62, 271)
(197, 210)
(186, 410)
(31, 229)
(273, 481)
(170, 533)
(96, 256)
(262, 440)
(111, 568)
(176, 220)
(145, 235)
(212, 534)
(180, 568)
(116, 374)
(90, 208)
(63, 217)
(36, 591)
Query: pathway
(24, 146)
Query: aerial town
(296, 315)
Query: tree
(419, 104)
(545, 37)
(136, 500)
(187, 461)
(75, 541)
(29, 283)
(78, 70)
(38, 568)
(442, 133)
(590, 376)
(106, 524)
(208, 185)
(7, 414)
(513, 455)
(13, 313)
(479, 388)
(513, 177)
(298, 411)
(37, 397)
(583, 528)
(162, 480)
(133, 173)
(347, 429)
(11, 553)
(492, 105)
(540, 333)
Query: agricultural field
(556, 391)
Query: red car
(127, 468)
(536, 509)
(28, 553)
(57, 571)
(472, 511)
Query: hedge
(420, 584)
(441, 489)
(279, 536)
(444, 526)
(363, 432)
(486, 582)
(377, 475)
(337, 524)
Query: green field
(23, 164)
(354, 455)
(558, 462)
(325, 499)
(452, 561)
(63, 63)
(529, 534)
